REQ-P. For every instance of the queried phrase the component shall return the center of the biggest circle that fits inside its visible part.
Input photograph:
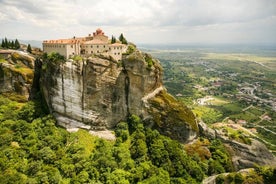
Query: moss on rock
(171, 117)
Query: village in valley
(236, 90)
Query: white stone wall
(64, 49)
(52, 47)
(70, 49)
(116, 51)
(95, 48)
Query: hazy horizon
(182, 46)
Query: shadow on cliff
(35, 94)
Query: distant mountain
(33, 43)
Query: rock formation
(97, 92)
(16, 72)
(243, 155)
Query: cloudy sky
(142, 21)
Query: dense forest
(35, 150)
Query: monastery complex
(98, 43)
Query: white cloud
(142, 20)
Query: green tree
(113, 39)
(6, 43)
(138, 147)
(122, 131)
(29, 48)
(12, 44)
(220, 161)
(47, 155)
(161, 176)
(119, 176)
(3, 43)
(16, 44)
(122, 39)
(9, 44)
(102, 157)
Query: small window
(91, 46)
(71, 46)
(91, 52)
(97, 46)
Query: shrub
(130, 49)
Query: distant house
(241, 122)
(253, 130)
(266, 117)
(217, 83)
(98, 43)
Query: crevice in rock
(62, 90)
(83, 72)
(35, 85)
(127, 86)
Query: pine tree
(17, 44)
(29, 48)
(6, 43)
(113, 39)
(122, 39)
(12, 44)
(9, 44)
(3, 43)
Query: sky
(142, 21)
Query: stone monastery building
(96, 44)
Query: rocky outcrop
(16, 72)
(169, 115)
(246, 156)
(98, 92)
(243, 155)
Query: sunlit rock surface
(98, 92)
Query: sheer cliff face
(98, 92)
